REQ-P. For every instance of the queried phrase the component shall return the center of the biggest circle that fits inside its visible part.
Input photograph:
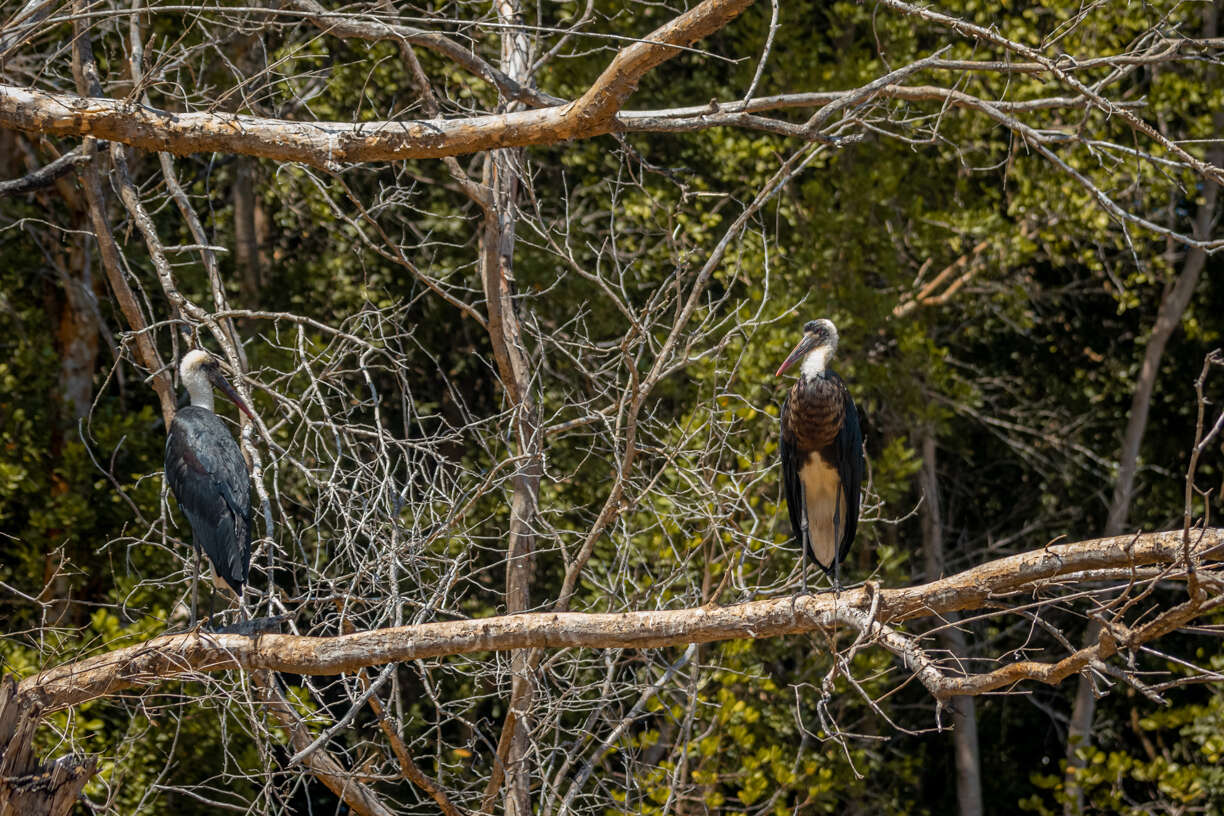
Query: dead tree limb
(45, 176)
(1027, 573)
(327, 145)
(27, 787)
(86, 76)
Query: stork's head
(815, 348)
(201, 372)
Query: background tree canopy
(507, 285)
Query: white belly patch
(824, 508)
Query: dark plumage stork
(822, 452)
(209, 478)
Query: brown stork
(822, 453)
(209, 478)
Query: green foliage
(1170, 761)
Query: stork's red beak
(218, 379)
(801, 349)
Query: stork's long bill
(218, 379)
(801, 350)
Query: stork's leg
(837, 539)
(212, 600)
(195, 587)
(802, 582)
(804, 544)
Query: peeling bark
(27, 787)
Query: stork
(209, 478)
(822, 453)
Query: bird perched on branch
(822, 452)
(209, 478)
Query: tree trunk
(70, 308)
(1173, 303)
(964, 709)
(246, 237)
(506, 332)
(77, 337)
(85, 73)
(501, 179)
(26, 787)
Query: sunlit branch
(173, 655)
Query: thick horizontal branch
(911, 93)
(330, 144)
(597, 112)
(742, 114)
(176, 655)
(319, 144)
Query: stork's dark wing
(209, 478)
(792, 488)
(848, 453)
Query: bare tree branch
(1204, 168)
(173, 655)
(45, 176)
(330, 145)
(322, 764)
